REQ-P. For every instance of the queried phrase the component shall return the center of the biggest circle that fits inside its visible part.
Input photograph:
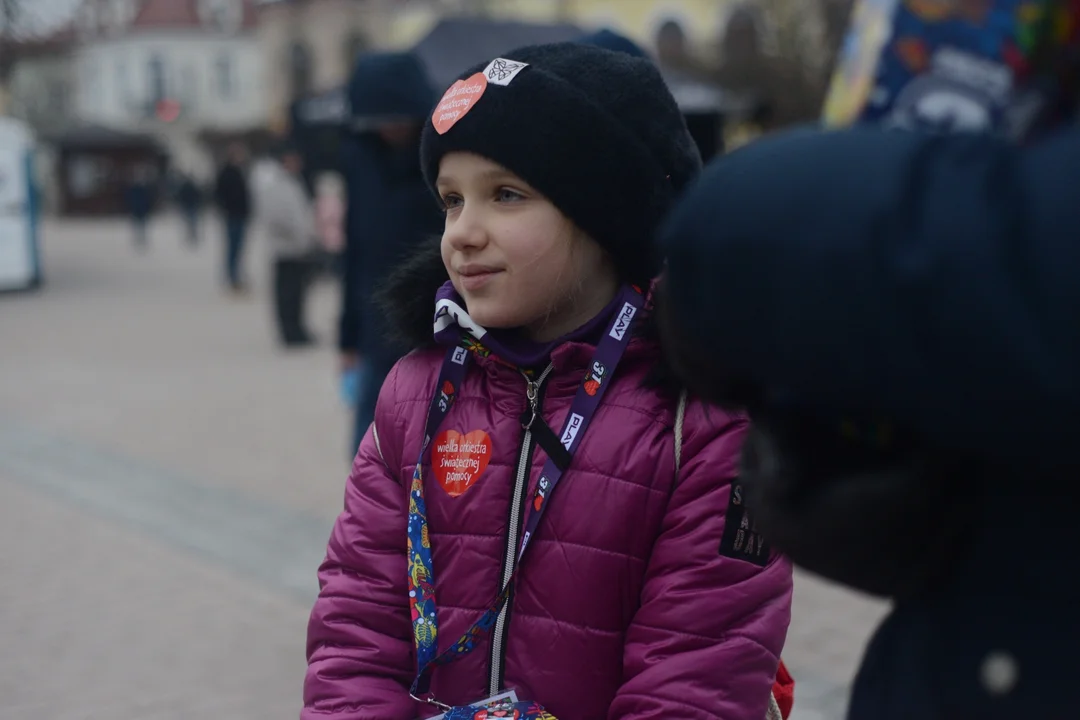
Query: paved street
(168, 478)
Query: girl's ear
(407, 296)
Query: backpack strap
(773, 713)
(680, 417)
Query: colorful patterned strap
(509, 711)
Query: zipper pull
(532, 393)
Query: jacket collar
(507, 357)
(452, 320)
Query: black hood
(389, 85)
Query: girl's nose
(465, 231)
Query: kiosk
(20, 264)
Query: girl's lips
(477, 279)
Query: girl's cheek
(444, 252)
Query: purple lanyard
(421, 574)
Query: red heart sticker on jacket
(457, 101)
(458, 460)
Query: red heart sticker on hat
(458, 460)
(457, 101)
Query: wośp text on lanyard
(421, 575)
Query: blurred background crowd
(156, 90)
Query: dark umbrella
(456, 44)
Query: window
(57, 99)
(87, 175)
(88, 19)
(741, 38)
(355, 43)
(300, 69)
(223, 73)
(671, 46)
(90, 86)
(121, 13)
(158, 90)
(189, 92)
(222, 15)
(122, 92)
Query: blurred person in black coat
(389, 211)
(234, 200)
(139, 197)
(898, 312)
(189, 198)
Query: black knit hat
(596, 131)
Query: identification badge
(487, 706)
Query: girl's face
(513, 256)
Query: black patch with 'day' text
(741, 539)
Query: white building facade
(181, 69)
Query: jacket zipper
(521, 484)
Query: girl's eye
(451, 201)
(508, 195)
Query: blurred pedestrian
(234, 200)
(189, 199)
(286, 216)
(139, 198)
(389, 212)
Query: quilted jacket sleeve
(359, 647)
(706, 642)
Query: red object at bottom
(784, 690)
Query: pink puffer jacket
(632, 602)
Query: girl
(570, 532)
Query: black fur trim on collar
(407, 296)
